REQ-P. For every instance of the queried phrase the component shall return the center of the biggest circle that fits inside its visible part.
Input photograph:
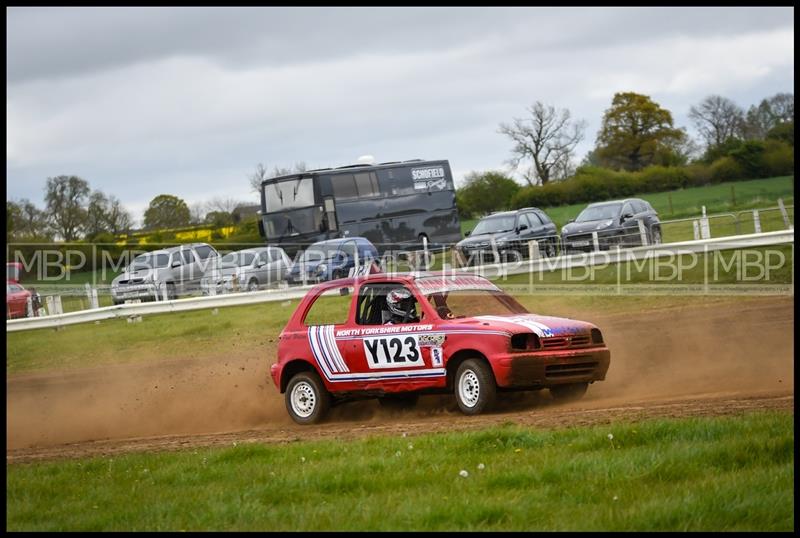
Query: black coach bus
(393, 204)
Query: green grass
(685, 203)
(694, 474)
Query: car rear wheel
(568, 393)
(656, 236)
(171, 294)
(306, 398)
(475, 387)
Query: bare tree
(261, 174)
(548, 138)
(118, 218)
(717, 119)
(782, 107)
(197, 212)
(222, 204)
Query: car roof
(621, 201)
(400, 278)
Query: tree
(261, 174)
(771, 112)
(65, 198)
(119, 219)
(636, 132)
(166, 211)
(26, 221)
(548, 139)
(484, 192)
(97, 215)
(782, 107)
(717, 119)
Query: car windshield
(492, 225)
(599, 212)
(149, 261)
(467, 296)
(238, 259)
(320, 251)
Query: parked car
(458, 334)
(175, 270)
(616, 223)
(509, 232)
(331, 259)
(247, 269)
(17, 300)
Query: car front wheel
(252, 285)
(656, 236)
(306, 398)
(475, 388)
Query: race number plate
(393, 352)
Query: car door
(189, 270)
(630, 224)
(388, 354)
(268, 267)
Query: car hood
(485, 239)
(131, 275)
(543, 326)
(588, 226)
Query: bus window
(344, 186)
(367, 185)
(289, 194)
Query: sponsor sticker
(429, 178)
(437, 356)
(435, 339)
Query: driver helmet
(399, 301)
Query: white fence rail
(488, 270)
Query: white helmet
(400, 302)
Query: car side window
(543, 217)
(349, 248)
(187, 255)
(204, 251)
(627, 209)
(330, 307)
(535, 222)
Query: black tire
(568, 393)
(655, 238)
(307, 400)
(550, 249)
(474, 386)
(171, 293)
(252, 285)
(398, 402)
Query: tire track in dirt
(690, 354)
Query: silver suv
(172, 271)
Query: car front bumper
(135, 291)
(538, 369)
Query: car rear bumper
(544, 369)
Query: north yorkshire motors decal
(429, 178)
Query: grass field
(684, 203)
(699, 474)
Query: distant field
(690, 474)
(683, 203)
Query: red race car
(394, 337)
(17, 300)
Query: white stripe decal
(334, 349)
(539, 328)
(316, 348)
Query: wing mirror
(570, 220)
(176, 263)
(626, 216)
(522, 227)
(466, 234)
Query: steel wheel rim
(253, 286)
(304, 399)
(469, 388)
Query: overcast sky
(186, 101)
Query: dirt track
(675, 362)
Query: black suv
(616, 223)
(509, 232)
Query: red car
(16, 300)
(394, 337)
